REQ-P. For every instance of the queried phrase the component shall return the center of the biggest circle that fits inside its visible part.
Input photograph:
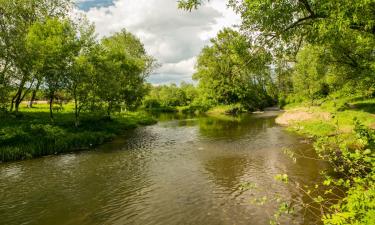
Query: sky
(174, 37)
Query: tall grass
(33, 135)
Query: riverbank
(330, 118)
(344, 136)
(32, 134)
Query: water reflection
(184, 170)
(227, 171)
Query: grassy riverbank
(344, 136)
(331, 117)
(32, 134)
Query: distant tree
(190, 92)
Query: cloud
(174, 37)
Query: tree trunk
(33, 96)
(18, 102)
(12, 104)
(109, 109)
(51, 105)
(18, 97)
(77, 122)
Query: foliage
(339, 34)
(123, 68)
(309, 76)
(45, 54)
(44, 50)
(227, 109)
(33, 135)
(189, 4)
(16, 59)
(354, 164)
(348, 188)
(53, 45)
(357, 208)
(229, 72)
(168, 98)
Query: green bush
(32, 136)
(357, 208)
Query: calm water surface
(180, 171)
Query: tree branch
(307, 7)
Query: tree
(309, 77)
(16, 17)
(232, 70)
(82, 75)
(54, 44)
(189, 4)
(346, 28)
(190, 92)
(123, 66)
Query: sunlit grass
(342, 113)
(33, 134)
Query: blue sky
(174, 37)
(86, 5)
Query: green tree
(123, 66)
(309, 77)
(346, 28)
(16, 18)
(190, 92)
(82, 76)
(232, 70)
(54, 45)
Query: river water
(179, 171)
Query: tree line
(43, 48)
(316, 51)
(290, 51)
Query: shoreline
(34, 136)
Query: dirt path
(301, 114)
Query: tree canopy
(44, 49)
(229, 72)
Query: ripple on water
(176, 172)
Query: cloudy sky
(174, 37)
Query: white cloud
(183, 67)
(175, 37)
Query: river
(179, 171)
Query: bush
(32, 136)
(151, 103)
(357, 208)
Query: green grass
(314, 129)
(33, 135)
(343, 112)
(340, 125)
(346, 140)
